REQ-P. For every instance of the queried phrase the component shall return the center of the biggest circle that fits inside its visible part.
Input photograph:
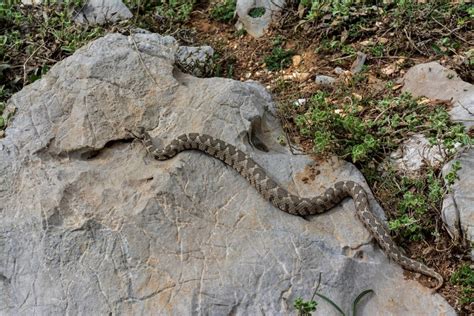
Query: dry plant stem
(412, 43)
(26, 62)
(451, 31)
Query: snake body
(286, 201)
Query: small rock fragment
(302, 76)
(338, 70)
(299, 102)
(358, 63)
(389, 69)
(324, 80)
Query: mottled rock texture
(197, 61)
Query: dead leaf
(390, 69)
(296, 60)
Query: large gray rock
(90, 224)
(457, 212)
(437, 82)
(103, 11)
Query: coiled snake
(284, 200)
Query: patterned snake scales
(284, 200)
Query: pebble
(324, 80)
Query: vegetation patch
(306, 308)
(365, 129)
(224, 11)
(256, 12)
(279, 58)
(175, 10)
(33, 39)
(410, 28)
(464, 277)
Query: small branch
(453, 32)
(412, 43)
(27, 60)
(342, 58)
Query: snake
(284, 200)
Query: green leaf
(327, 299)
(358, 299)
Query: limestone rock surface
(416, 153)
(103, 11)
(90, 224)
(458, 211)
(437, 82)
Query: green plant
(435, 188)
(407, 227)
(240, 32)
(279, 58)
(412, 202)
(51, 35)
(364, 130)
(415, 200)
(464, 277)
(175, 10)
(378, 50)
(470, 11)
(305, 308)
(256, 12)
(224, 11)
(357, 19)
(333, 46)
(317, 8)
(223, 66)
(452, 175)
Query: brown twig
(290, 146)
(412, 43)
(453, 32)
(26, 61)
(342, 58)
